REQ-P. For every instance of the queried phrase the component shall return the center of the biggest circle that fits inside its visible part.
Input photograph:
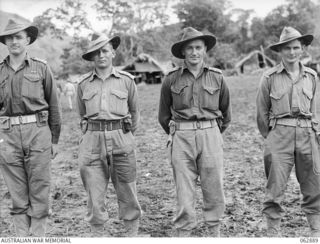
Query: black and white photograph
(149, 119)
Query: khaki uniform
(286, 118)
(109, 151)
(29, 122)
(199, 111)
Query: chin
(103, 66)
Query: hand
(54, 151)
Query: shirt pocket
(91, 101)
(32, 86)
(210, 97)
(180, 97)
(119, 102)
(305, 100)
(280, 103)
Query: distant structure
(254, 60)
(146, 69)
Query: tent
(146, 69)
(256, 59)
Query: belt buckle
(110, 125)
(198, 125)
(20, 119)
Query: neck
(291, 67)
(17, 60)
(104, 72)
(194, 69)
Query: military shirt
(188, 98)
(114, 98)
(28, 90)
(279, 96)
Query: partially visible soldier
(30, 125)
(108, 106)
(195, 110)
(286, 117)
(69, 92)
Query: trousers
(25, 162)
(198, 153)
(288, 146)
(104, 155)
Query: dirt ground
(244, 179)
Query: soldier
(108, 106)
(194, 110)
(30, 125)
(69, 92)
(286, 118)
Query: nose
(292, 51)
(100, 53)
(14, 40)
(194, 51)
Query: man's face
(194, 52)
(103, 57)
(291, 51)
(17, 42)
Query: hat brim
(31, 30)
(115, 42)
(306, 40)
(209, 40)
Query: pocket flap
(32, 77)
(308, 93)
(210, 89)
(178, 90)
(89, 95)
(120, 94)
(277, 95)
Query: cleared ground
(244, 177)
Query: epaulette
(215, 70)
(173, 70)
(126, 74)
(84, 77)
(271, 71)
(1, 62)
(311, 71)
(39, 60)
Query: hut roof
(144, 63)
(249, 56)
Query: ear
(28, 39)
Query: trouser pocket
(315, 145)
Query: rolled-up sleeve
(51, 96)
(263, 104)
(164, 114)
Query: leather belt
(194, 125)
(102, 125)
(23, 119)
(294, 122)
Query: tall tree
(205, 15)
(130, 19)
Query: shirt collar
(281, 68)
(114, 72)
(26, 59)
(204, 67)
